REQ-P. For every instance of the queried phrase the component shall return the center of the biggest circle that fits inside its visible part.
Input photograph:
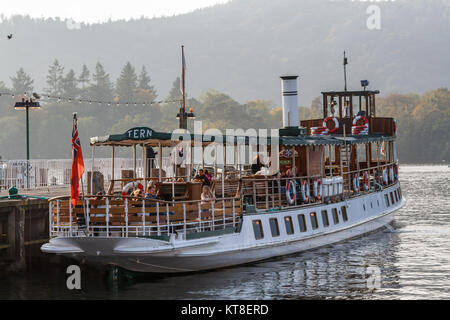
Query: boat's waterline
(366, 214)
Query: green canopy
(150, 137)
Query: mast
(183, 117)
(345, 72)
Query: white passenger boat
(341, 182)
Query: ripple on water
(414, 262)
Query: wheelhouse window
(258, 229)
(289, 225)
(302, 222)
(314, 223)
(335, 215)
(344, 212)
(325, 220)
(274, 227)
(387, 200)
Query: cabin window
(314, 223)
(258, 229)
(396, 195)
(302, 222)
(289, 226)
(387, 200)
(274, 227)
(371, 205)
(378, 202)
(325, 220)
(392, 198)
(344, 212)
(335, 215)
(364, 206)
(399, 193)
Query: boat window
(396, 195)
(274, 227)
(335, 215)
(325, 220)
(289, 226)
(364, 206)
(371, 204)
(302, 222)
(387, 200)
(400, 193)
(392, 198)
(378, 202)
(314, 223)
(344, 212)
(258, 229)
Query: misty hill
(241, 47)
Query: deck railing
(111, 216)
(269, 192)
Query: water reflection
(414, 262)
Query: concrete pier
(24, 225)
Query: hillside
(241, 47)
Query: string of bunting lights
(59, 99)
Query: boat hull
(366, 214)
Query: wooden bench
(231, 188)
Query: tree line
(422, 119)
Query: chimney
(290, 101)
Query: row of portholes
(289, 227)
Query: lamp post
(27, 104)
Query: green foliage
(21, 82)
(422, 120)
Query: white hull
(149, 255)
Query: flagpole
(82, 184)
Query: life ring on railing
(318, 189)
(356, 183)
(385, 177)
(128, 186)
(305, 191)
(290, 191)
(364, 129)
(366, 181)
(336, 124)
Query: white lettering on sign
(139, 133)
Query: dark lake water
(413, 259)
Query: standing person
(151, 155)
(257, 165)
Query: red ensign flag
(77, 164)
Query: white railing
(117, 217)
(50, 173)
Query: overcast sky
(101, 10)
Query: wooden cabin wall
(301, 161)
(315, 160)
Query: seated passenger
(208, 175)
(137, 194)
(207, 196)
(200, 177)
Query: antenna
(345, 72)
